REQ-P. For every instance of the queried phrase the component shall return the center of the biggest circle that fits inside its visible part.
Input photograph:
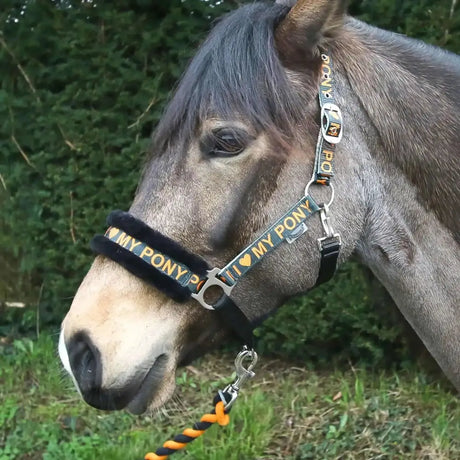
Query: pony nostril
(86, 366)
(85, 362)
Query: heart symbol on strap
(113, 232)
(245, 261)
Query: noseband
(182, 275)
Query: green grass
(286, 412)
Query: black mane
(236, 73)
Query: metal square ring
(212, 280)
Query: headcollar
(182, 275)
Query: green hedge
(82, 85)
(81, 91)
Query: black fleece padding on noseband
(140, 231)
(138, 267)
(225, 307)
(100, 244)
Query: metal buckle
(331, 113)
(335, 236)
(212, 280)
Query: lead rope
(223, 402)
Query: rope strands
(218, 415)
(223, 402)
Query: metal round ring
(307, 189)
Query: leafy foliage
(82, 85)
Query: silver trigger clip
(329, 233)
(243, 374)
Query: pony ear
(308, 25)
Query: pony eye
(226, 142)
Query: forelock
(236, 73)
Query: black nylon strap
(330, 249)
(232, 314)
